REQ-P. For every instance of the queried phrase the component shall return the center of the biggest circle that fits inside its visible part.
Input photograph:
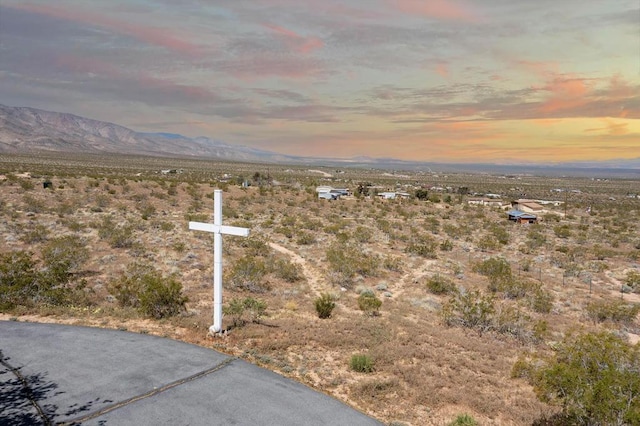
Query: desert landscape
(425, 307)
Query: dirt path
(324, 174)
(311, 273)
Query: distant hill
(24, 130)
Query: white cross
(218, 229)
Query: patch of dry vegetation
(434, 299)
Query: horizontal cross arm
(219, 229)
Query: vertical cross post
(217, 229)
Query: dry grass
(425, 372)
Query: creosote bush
(633, 280)
(615, 310)
(346, 260)
(369, 303)
(470, 309)
(423, 245)
(325, 304)
(440, 285)
(464, 420)
(147, 290)
(593, 377)
(288, 271)
(248, 274)
(243, 311)
(361, 363)
(24, 282)
(496, 269)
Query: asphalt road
(55, 374)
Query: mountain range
(24, 130)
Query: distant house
(341, 191)
(328, 196)
(330, 193)
(392, 195)
(519, 216)
(387, 195)
(491, 202)
(321, 189)
(528, 206)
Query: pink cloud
(566, 93)
(295, 41)
(542, 69)
(155, 36)
(438, 9)
(268, 66)
(442, 68)
(102, 69)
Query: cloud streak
(155, 36)
(445, 80)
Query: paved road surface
(91, 376)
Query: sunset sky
(498, 81)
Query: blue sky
(435, 80)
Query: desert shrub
(102, 201)
(146, 289)
(470, 309)
(118, 236)
(446, 245)
(346, 260)
(23, 282)
(601, 253)
(423, 245)
(18, 279)
(243, 311)
(288, 271)
(363, 289)
(633, 280)
(361, 363)
(36, 233)
(146, 210)
(513, 287)
(615, 310)
(496, 269)
(162, 297)
(392, 263)
(324, 305)
(535, 239)
(452, 231)
(464, 420)
(121, 237)
(63, 256)
(255, 246)
(434, 198)
(26, 185)
(284, 230)
(369, 303)
(305, 238)
(362, 234)
(488, 242)
(510, 321)
(34, 205)
(541, 301)
(421, 194)
(440, 285)
(500, 234)
(594, 378)
(562, 231)
(166, 226)
(248, 274)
